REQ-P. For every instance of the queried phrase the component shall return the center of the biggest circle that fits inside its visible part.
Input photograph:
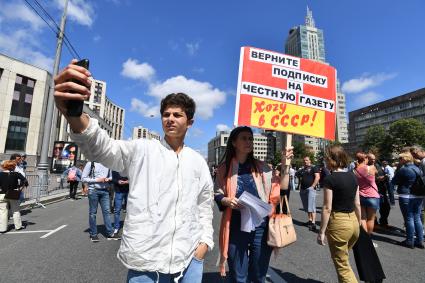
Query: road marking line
(53, 231)
(24, 232)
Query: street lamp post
(43, 165)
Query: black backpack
(418, 187)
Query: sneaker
(22, 227)
(94, 239)
(308, 224)
(314, 228)
(114, 237)
(116, 231)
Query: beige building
(23, 99)
(110, 115)
(23, 102)
(341, 116)
(264, 147)
(144, 133)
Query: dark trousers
(249, 254)
(384, 208)
(73, 185)
(391, 193)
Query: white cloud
(147, 110)
(133, 70)
(192, 48)
(80, 11)
(366, 81)
(367, 98)
(20, 45)
(207, 98)
(21, 12)
(222, 127)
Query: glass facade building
(307, 41)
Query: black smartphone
(75, 107)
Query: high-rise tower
(307, 41)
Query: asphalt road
(48, 251)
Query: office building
(264, 147)
(23, 94)
(307, 41)
(24, 89)
(341, 116)
(409, 105)
(110, 116)
(144, 133)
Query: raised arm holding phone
(168, 226)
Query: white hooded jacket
(169, 210)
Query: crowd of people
(169, 209)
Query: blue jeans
(102, 197)
(119, 199)
(242, 266)
(192, 274)
(411, 210)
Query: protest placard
(285, 93)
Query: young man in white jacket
(168, 226)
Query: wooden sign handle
(284, 173)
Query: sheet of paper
(246, 221)
(253, 212)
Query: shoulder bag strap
(287, 205)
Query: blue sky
(147, 49)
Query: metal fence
(40, 187)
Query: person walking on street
(410, 205)
(389, 174)
(369, 196)
(309, 177)
(18, 159)
(11, 183)
(247, 253)
(341, 213)
(418, 154)
(121, 194)
(24, 162)
(73, 177)
(168, 228)
(382, 184)
(98, 178)
(20, 169)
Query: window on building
(17, 133)
(20, 113)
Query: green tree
(374, 138)
(277, 158)
(320, 155)
(300, 151)
(406, 132)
